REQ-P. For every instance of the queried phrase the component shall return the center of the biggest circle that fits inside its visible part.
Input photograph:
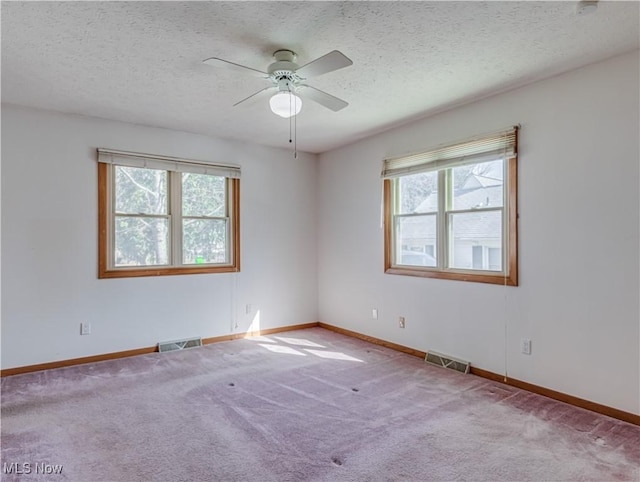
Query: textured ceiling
(141, 62)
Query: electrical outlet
(525, 346)
(401, 321)
(85, 328)
(374, 314)
(248, 309)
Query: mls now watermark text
(26, 468)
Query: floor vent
(179, 344)
(447, 362)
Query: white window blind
(488, 147)
(150, 161)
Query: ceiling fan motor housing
(283, 68)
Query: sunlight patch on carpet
(299, 341)
(282, 349)
(335, 355)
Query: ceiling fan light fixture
(285, 104)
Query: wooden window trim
(458, 275)
(103, 238)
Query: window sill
(497, 279)
(141, 272)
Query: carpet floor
(306, 405)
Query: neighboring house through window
(165, 216)
(451, 212)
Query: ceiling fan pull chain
(295, 137)
(290, 117)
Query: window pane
(416, 240)
(140, 191)
(203, 195)
(418, 193)
(478, 185)
(141, 241)
(495, 259)
(204, 241)
(477, 240)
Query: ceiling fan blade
(322, 98)
(255, 94)
(216, 62)
(327, 63)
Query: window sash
(450, 235)
(112, 251)
(228, 244)
(397, 246)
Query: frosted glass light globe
(285, 104)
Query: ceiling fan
(288, 80)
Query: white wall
(579, 264)
(49, 243)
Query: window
(165, 216)
(451, 212)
